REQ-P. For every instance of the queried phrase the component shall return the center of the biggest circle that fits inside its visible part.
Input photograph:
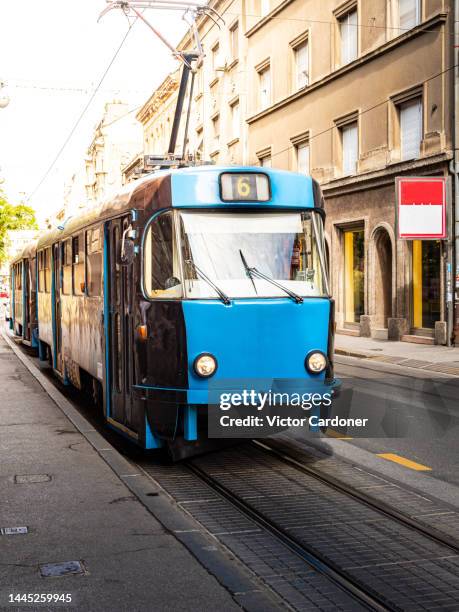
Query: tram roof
(28, 251)
(193, 187)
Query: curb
(229, 574)
(352, 353)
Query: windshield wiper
(251, 272)
(248, 270)
(224, 298)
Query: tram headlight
(316, 362)
(205, 365)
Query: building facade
(354, 93)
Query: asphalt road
(411, 415)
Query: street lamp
(4, 98)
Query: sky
(52, 54)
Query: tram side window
(47, 270)
(78, 265)
(94, 261)
(161, 263)
(18, 276)
(41, 273)
(67, 267)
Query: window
(18, 277)
(161, 259)
(265, 87)
(409, 14)
(78, 265)
(41, 272)
(410, 129)
(235, 121)
(349, 36)
(215, 59)
(350, 147)
(302, 65)
(216, 130)
(286, 246)
(265, 162)
(234, 41)
(93, 262)
(67, 267)
(47, 269)
(265, 7)
(302, 156)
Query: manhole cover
(50, 570)
(30, 478)
(13, 530)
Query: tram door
(57, 307)
(121, 289)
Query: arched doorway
(382, 277)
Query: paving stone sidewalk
(405, 354)
(116, 555)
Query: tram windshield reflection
(287, 247)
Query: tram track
(369, 600)
(381, 558)
(378, 505)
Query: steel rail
(377, 505)
(367, 597)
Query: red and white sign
(421, 208)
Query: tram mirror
(127, 251)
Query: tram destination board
(245, 187)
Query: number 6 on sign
(243, 187)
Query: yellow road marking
(331, 433)
(405, 462)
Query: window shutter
(411, 129)
(302, 65)
(350, 148)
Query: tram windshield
(212, 251)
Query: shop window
(78, 272)
(426, 283)
(67, 267)
(93, 262)
(354, 274)
(161, 262)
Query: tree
(13, 217)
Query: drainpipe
(453, 275)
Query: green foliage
(13, 217)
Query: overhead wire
(81, 115)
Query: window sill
(232, 142)
(233, 63)
(214, 81)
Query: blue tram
(187, 276)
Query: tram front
(240, 282)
